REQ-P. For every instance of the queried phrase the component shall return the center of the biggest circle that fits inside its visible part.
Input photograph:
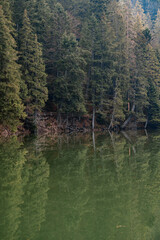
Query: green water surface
(102, 187)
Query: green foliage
(34, 91)
(24, 185)
(35, 187)
(12, 161)
(6, 9)
(67, 92)
(11, 108)
(101, 57)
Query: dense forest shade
(95, 58)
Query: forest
(74, 58)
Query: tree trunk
(93, 118)
(126, 122)
(146, 124)
(133, 107)
(129, 118)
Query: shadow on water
(81, 187)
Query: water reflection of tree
(110, 192)
(35, 175)
(12, 160)
(70, 193)
(23, 191)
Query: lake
(81, 187)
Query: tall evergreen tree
(33, 68)
(152, 67)
(18, 7)
(141, 99)
(11, 108)
(6, 9)
(67, 87)
(98, 7)
(59, 24)
(139, 11)
(39, 14)
(121, 67)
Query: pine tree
(118, 115)
(152, 69)
(121, 22)
(99, 7)
(6, 9)
(67, 87)
(153, 111)
(149, 22)
(141, 83)
(129, 52)
(39, 14)
(139, 11)
(34, 91)
(11, 108)
(59, 24)
(6, 5)
(18, 7)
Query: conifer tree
(121, 20)
(141, 84)
(149, 22)
(6, 5)
(39, 14)
(34, 91)
(130, 58)
(18, 7)
(139, 11)
(98, 7)
(59, 24)
(118, 115)
(67, 87)
(6, 9)
(11, 108)
(152, 74)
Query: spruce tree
(139, 11)
(152, 74)
(120, 22)
(141, 83)
(68, 85)
(59, 24)
(153, 111)
(128, 43)
(34, 91)
(18, 7)
(6, 9)
(11, 108)
(39, 14)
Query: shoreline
(47, 124)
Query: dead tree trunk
(93, 118)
